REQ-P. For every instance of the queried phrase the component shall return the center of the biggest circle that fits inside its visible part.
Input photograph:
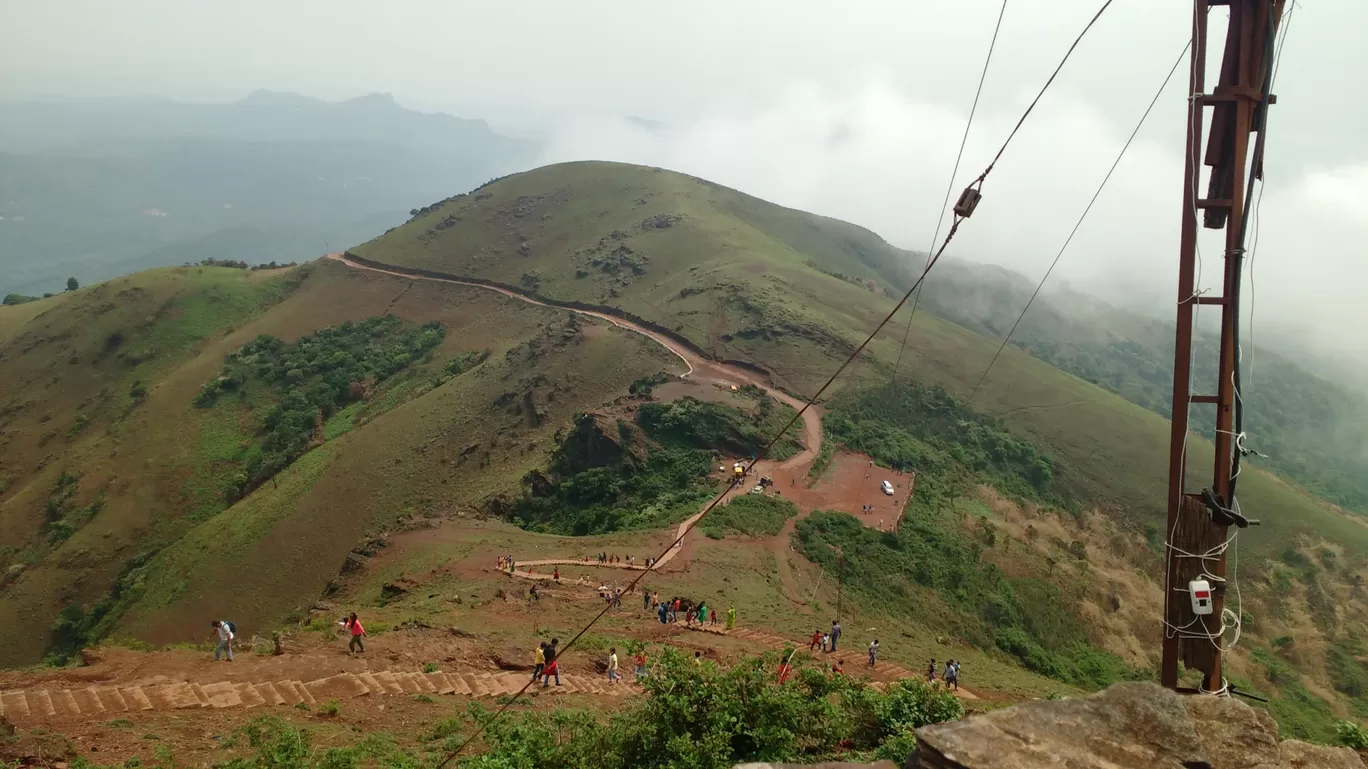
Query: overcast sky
(852, 110)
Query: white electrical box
(1200, 591)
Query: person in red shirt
(838, 668)
(816, 640)
(358, 632)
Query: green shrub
(1351, 735)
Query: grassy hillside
(122, 484)
(101, 387)
(793, 292)
(744, 279)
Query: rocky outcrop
(1129, 726)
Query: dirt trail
(699, 369)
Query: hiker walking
(640, 661)
(226, 631)
(645, 600)
(952, 674)
(873, 652)
(613, 676)
(826, 642)
(835, 633)
(712, 616)
(353, 626)
(556, 575)
(731, 617)
(552, 664)
(816, 641)
(931, 672)
(538, 661)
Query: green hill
(147, 505)
(793, 293)
(117, 487)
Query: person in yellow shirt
(539, 661)
(731, 617)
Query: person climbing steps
(226, 632)
(353, 625)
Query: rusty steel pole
(1198, 523)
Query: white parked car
(887, 487)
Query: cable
(1046, 87)
(1238, 253)
(931, 263)
(1079, 223)
(1263, 182)
(950, 184)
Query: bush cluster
(310, 379)
(691, 422)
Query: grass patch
(752, 515)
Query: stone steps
(53, 705)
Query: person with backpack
(226, 632)
(353, 625)
(552, 666)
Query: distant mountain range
(261, 116)
(98, 188)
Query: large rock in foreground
(1129, 726)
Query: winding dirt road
(699, 370)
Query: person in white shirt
(873, 652)
(225, 639)
(613, 676)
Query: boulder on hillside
(1303, 755)
(1129, 726)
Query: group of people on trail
(702, 614)
(544, 665)
(826, 641)
(612, 595)
(506, 563)
(951, 673)
(606, 558)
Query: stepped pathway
(51, 705)
(882, 670)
